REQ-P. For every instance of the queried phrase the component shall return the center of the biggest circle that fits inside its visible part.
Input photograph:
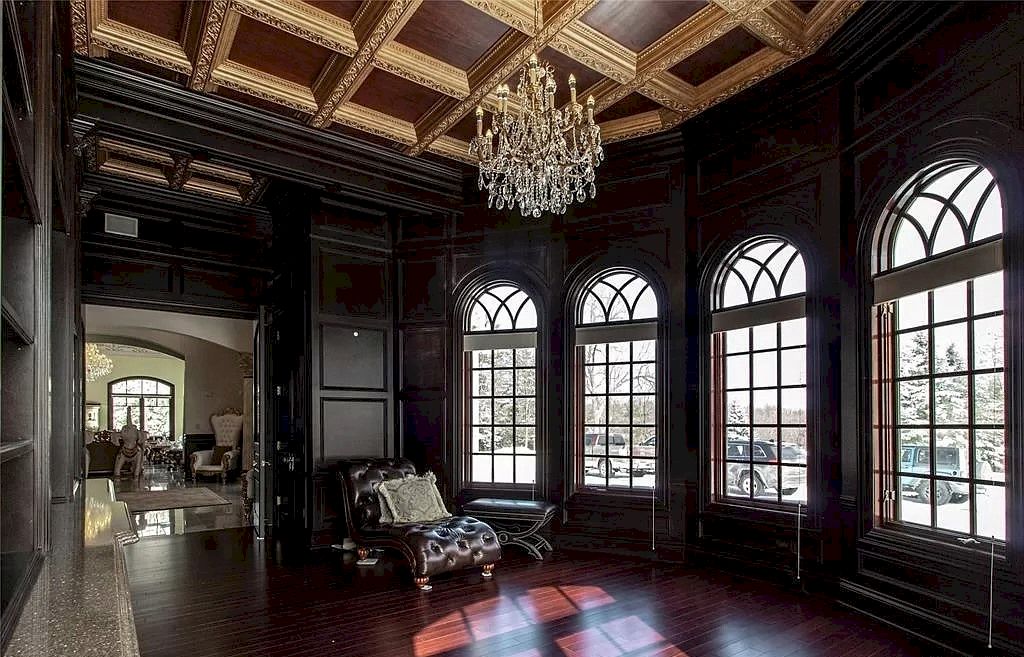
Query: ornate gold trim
(302, 20)
(262, 85)
(218, 25)
(517, 14)
(374, 25)
(133, 42)
(375, 123)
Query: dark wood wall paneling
(847, 126)
(637, 221)
(191, 253)
(352, 348)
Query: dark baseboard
(950, 636)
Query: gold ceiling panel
(347, 43)
(171, 170)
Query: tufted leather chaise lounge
(430, 548)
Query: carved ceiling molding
(177, 171)
(367, 42)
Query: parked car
(763, 477)
(618, 454)
(949, 462)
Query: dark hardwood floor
(224, 593)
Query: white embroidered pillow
(413, 499)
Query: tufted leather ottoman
(430, 548)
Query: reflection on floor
(179, 521)
(226, 594)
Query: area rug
(179, 498)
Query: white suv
(594, 450)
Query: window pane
(991, 511)
(766, 369)
(148, 386)
(643, 378)
(737, 371)
(504, 441)
(914, 402)
(595, 379)
(990, 454)
(481, 358)
(134, 386)
(526, 357)
(643, 350)
(503, 411)
(737, 341)
(618, 352)
(526, 469)
(988, 398)
(796, 438)
(163, 389)
(482, 383)
(594, 409)
(482, 411)
(766, 406)
(950, 302)
(951, 348)
(793, 485)
(482, 437)
(988, 293)
(988, 343)
(503, 357)
(643, 409)
(595, 353)
(618, 409)
(504, 469)
(794, 367)
(502, 383)
(914, 501)
(794, 406)
(765, 336)
(950, 393)
(526, 382)
(481, 469)
(618, 378)
(794, 332)
(737, 407)
(953, 506)
(526, 440)
(913, 353)
(912, 311)
(526, 410)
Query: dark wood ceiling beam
(211, 43)
(376, 24)
(511, 53)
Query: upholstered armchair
(225, 459)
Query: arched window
(149, 401)
(500, 386)
(617, 383)
(938, 353)
(759, 374)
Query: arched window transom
(761, 269)
(944, 208)
(617, 295)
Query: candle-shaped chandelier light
(534, 154)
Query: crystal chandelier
(97, 363)
(536, 155)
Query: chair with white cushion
(225, 459)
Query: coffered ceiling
(408, 73)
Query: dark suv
(764, 476)
(949, 462)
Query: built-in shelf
(15, 324)
(13, 449)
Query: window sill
(587, 497)
(932, 544)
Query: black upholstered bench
(516, 522)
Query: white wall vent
(118, 224)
